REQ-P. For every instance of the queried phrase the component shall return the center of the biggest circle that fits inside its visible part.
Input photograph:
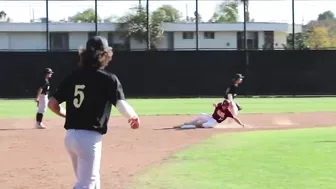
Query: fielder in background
(222, 111)
(42, 98)
(231, 91)
(89, 93)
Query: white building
(177, 36)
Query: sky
(260, 11)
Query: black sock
(39, 117)
(239, 107)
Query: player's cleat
(39, 126)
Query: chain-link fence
(169, 25)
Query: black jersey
(89, 95)
(232, 89)
(45, 86)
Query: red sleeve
(228, 114)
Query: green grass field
(25, 108)
(295, 159)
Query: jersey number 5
(79, 95)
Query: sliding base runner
(222, 111)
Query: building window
(110, 38)
(240, 41)
(117, 41)
(209, 35)
(59, 41)
(188, 35)
(268, 40)
(251, 40)
(119, 47)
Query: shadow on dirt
(169, 128)
(178, 128)
(14, 129)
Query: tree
(156, 28)
(87, 16)
(169, 13)
(134, 24)
(320, 33)
(3, 14)
(193, 19)
(9, 20)
(327, 15)
(112, 18)
(226, 11)
(300, 42)
(3, 17)
(319, 38)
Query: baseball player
(42, 98)
(222, 111)
(89, 93)
(231, 91)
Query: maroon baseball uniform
(221, 114)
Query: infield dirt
(33, 158)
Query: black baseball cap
(48, 71)
(238, 76)
(97, 43)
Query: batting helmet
(48, 71)
(238, 76)
(226, 102)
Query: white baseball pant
(42, 104)
(233, 108)
(84, 148)
(205, 120)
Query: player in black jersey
(42, 98)
(89, 93)
(231, 91)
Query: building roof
(168, 27)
